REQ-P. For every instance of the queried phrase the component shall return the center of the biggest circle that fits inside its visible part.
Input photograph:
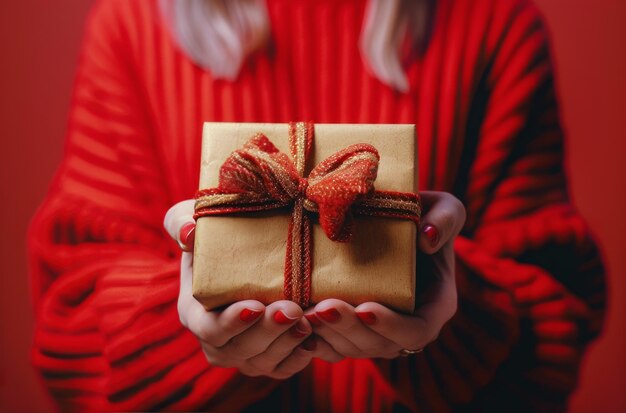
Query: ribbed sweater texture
(105, 275)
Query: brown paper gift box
(242, 257)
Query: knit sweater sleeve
(530, 281)
(104, 274)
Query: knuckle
(202, 333)
(215, 361)
(456, 204)
(301, 356)
(447, 219)
(239, 350)
(450, 199)
(270, 358)
(273, 330)
(177, 212)
(434, 336)
(260, 365)
(346, 328)
(250, 371)
(274, 359)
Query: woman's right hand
(259, 340)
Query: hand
(372, 330)
(257, 339)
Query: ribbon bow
(259, 177)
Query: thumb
(179, 223)
(443, 219)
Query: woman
(473, 75)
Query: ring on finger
(405, 352)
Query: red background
(39, 43)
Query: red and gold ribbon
(258, 177)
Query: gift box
(244, 250)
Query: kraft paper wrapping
(242, 257)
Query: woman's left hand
(372, 330)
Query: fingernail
(187, 234)
(281, 318)
(298, 331)
(309, 344)
(313, 319)
(249, 315)
(432, 234)
(331, 315)
(367, 317)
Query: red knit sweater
(105, 275)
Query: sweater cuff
(109, 336)
(515, 320)
(474, 343)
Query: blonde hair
(219, 34)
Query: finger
(336, 341)
(443, 220)
(438, 305)
(218, 328)
(188, 307)
(278, 318)
(295, 362)
(322, 350)
(216, 358)
(180, 225)
(282, 347)
(340, 317)
(212, 327)
(410, 332)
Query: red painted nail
(313, 319)
(249, 315)
(298, 332)
(367, 317)
(331, 315)
(432, 234)
(281, 318)
(310, 344)
(187, 235)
